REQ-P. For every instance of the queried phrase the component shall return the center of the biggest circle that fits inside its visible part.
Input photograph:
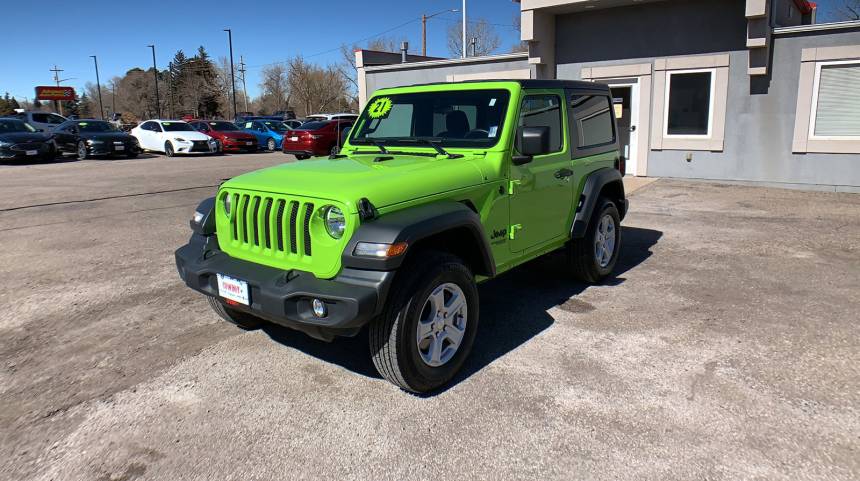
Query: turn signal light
(382, 251)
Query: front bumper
(353, 298)
(111, 149)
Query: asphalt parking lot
(726, 347)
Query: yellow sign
(379, 108)
(619, 110)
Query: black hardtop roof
(535, 84)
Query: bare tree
(850, 10)
(488, 40)
(274, 88)
(316, 89)
(521, 46)
(346, 66)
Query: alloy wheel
(442, 324)
(604, 240)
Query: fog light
(320, 309)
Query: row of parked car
(316, 135)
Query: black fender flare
(594, 184)
(413, 224)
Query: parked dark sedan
(90, 138)
(20, 141)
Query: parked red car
(230, 137)
(315, 138)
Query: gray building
(740, 90)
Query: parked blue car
(269, 133)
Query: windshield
(223, 126)
(91, 126)
(176, 127)
(8, 126)
(466, 118)
(276, 126)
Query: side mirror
(531, 141)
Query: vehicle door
(541, 202)
(39, 120)
(54, 121)
(147, 136)
(66, 137)
(262, 132)
(593, 133)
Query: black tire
(583, 253)
(393, 335)
(302, 156)
(243, 320)
(271, 145)
(168, 149)
(334, 150)
(131, 154)
(81, 150)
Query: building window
(690, 103)
(836, 102)
(592, 117)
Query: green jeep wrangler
(437, 187)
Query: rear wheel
(593, 257)
(428, 327)
(81, 150)
(270, 145)
(131, 154)
(243, 320)
(168, 149)
(302, 156)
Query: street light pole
(244, 86)
(99, 87)
(232, 72)
(424, 28)
(465, 19)
(155, 73)
(58, 106)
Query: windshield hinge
(511, 186)
(512, 232)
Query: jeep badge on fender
(436, 188)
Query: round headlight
(335, 222)
(228, 200)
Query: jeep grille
(270, 224)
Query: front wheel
(168, 149)
(427, 329)
(593, 257)
(82, 150)
(243, 320)
(270, 145)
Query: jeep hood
(399, 179)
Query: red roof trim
(805, 6)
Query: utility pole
(424, 28)
(155, 74)
(113, 96)
(244, 86)
(57, 79)
(99, 87)
(232, 72)
(465, 20)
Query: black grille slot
(307, 230)
(234, 204)
(279, 218)
(294, 216)
(255, 211)
(245, 201)
(267, 224)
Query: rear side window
(592, 118)
(40, 118)
(313, 125)
(543, 111)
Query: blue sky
(66, 33)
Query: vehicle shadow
(513, 311)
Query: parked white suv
(339, 116)
(46, 121)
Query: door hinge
(511, 185)
(512, 232)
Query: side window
(592, 120)
(145, 126)
(543, 111)
(40, 118)
(156, 127)
(55, 119)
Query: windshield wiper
(378, 144)
(432, 143)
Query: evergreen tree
(37, 104)
(4, 105)
(85, 107)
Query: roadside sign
(55, 93)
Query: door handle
(563, 173)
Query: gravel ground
(725, 348)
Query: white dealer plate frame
(233, 289)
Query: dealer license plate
(233, 289)
(32, 152)
(294, 139)
(118, 147)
